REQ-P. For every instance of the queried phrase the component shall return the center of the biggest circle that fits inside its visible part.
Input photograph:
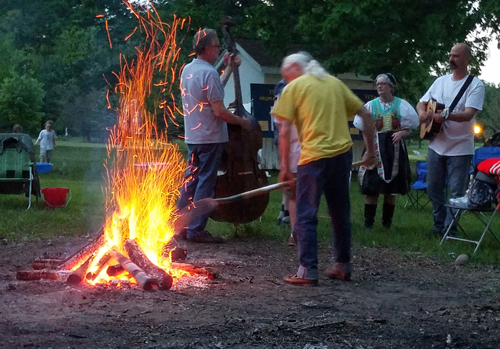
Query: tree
(489, 117)
(21, 103)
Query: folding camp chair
(481, 213)
(418, 190)
(17, 166)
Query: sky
(491, 68)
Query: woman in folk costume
(393, 118)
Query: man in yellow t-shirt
(320, 106)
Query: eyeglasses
(378, 84)
(218, 46)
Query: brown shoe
(295, 280)
(333, 273)
(291, 241)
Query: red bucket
(55, 197)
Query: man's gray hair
(202, 39)
(307, 62)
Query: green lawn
(79, 167)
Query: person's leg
(458, 168)
(48, 155)
(309, 189)
(388, 210)
(336, 188)
(436, 185)
(370, 210)
(209, 158)
(43, 155)
(292, 208)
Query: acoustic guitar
(429, 129)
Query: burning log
(101, 264)
(32, 275)
(114, 270)
(46, 263)
(143, 279)
(211, 272)
(137, 256)
(77, 276)
(84, 253)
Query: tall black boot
(370, 211)
(387, 214)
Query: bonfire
(144, 173)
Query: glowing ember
(144, 171)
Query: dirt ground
(393, 301)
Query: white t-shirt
(409, 117)
(455, 138)
(46, 139)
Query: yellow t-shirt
(320, 110)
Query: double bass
(239, 170)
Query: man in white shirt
(452, 149)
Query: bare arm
(463, 116)
(231, 61)
(423, 115)
(221, 112)
(368, 136)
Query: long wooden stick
(205, 206)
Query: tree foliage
(64, 45)
(21, 102)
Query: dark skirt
(371, 182)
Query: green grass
(79, 167)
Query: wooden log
(136, 255)
(39, 264)
(101, 264)
(78, 275)
(49, 274)
(84, 253)
(211, 272)
(147, 283)
(115, 269)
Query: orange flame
(144, 170)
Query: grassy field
(79, 167)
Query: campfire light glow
(144, 170)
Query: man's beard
(453, 65)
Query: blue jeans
(455, 170)
(331, 177)
(199, 180)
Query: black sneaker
(206, 238)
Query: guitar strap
(461, 93)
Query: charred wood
(84, 253)
(101, 264)
(115, 269)
(77, 276)
(32, 275)
(136, 255)
(46, 263)
(147, 283)
(211, 272)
